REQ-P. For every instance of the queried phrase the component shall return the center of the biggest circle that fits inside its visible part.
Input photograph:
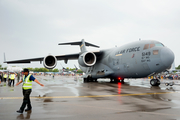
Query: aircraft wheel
(111, 80)
(85, 80)
(166, 84)
(171, 84)
(89, 79)
(155, 82)
(122, 81)
(116, 80)
(158, 82)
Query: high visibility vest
(9, 76)
(5, 76)
(27, 84)
(12, 76)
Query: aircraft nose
(167, 57)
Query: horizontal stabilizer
(78, 43)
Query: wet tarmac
(69, 99)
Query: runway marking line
(137, 94)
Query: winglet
(81, 43)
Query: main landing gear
(116, 80)
(155, 82)
(90, 79)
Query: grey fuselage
(134, 60)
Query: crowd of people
(171, 76)
(9, 78)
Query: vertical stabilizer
(83, 46)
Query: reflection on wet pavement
(25, 116)
(66, 98)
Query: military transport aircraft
(76, 69)
(134, 60)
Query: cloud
(34, 28)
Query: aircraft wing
(59, 57)
(24, 60)
(68, 57)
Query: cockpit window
(146, 46)
(159, 45)
(152, 45)
(155, 52)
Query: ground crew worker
(18, 76)
(2, 75)
(12, 79)
(0, 78)
(9, 80)
(5, 77)
(27, 87)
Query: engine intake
(50, 62)
(87, 59)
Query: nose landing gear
(90, 79)
(169, 83)
(116, 80)
(155, 82)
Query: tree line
(53, 70)
(2, 68)
(46, 70)
(178, 67)
(43, 70)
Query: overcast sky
(33, 28)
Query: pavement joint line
(136, 94)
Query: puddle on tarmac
(47, 100)
(11, 90)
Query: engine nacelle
(50, 62)
(87, 59)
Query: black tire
(90, 79)
(111, 80)
(158, 82)
(116, 80)
(85, 80)
(153, 82)
(122, 81)
(171, 84)
(166, 84)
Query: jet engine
(87, 59)
(50, 62)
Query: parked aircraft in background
(3, 71)
(76, 69)
(65, 71)
(134, 60)
(14, 69)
